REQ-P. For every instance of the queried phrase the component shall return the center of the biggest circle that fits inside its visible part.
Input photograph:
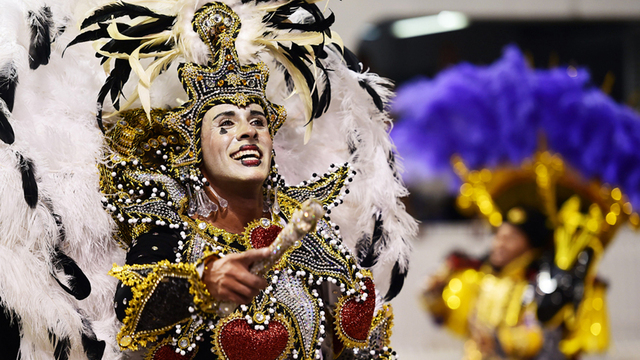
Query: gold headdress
(164, 146)
(583, 213)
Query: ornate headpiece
(224, 81)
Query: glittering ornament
(356, 314)
(167, 352)
(239, 341)
(264, 236)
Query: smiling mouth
(248, 155)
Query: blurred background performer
(197, 191)
(551, 164)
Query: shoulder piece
(170, 281)
(329, 188)
(141, 187)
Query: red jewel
(169, 353)
(261, 237)
(356, 317)
(239, 341)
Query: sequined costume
(499, 313)
(321, 301)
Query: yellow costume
(534, 307)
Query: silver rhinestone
(227, 21)
(202, 226)
(265, 222)
(217, 18)
(259, 317)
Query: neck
(245, 204)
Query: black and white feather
(42, 27)
(49, 202)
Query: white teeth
(246, 153)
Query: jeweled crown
(223, 81)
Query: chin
(256, 175)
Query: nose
(246, 131)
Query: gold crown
(224, 81)
(584, 213)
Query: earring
(273, 181)
(222, 201)
(199, 202)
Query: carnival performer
(197, 192)
(491, 301)
(540, 155)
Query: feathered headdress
(295, 33)
(502, 115)
(309, 70)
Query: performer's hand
(229, 279)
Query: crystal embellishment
(259, 317)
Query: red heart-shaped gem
(239, 341)
(167, 352)
(263, 237)
(356, 316)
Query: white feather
(54, 123)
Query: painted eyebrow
(229, 113)
(257, 112)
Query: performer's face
(236, 145)
(508, 243)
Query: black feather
(93, 347)
(91, 35)
(391, 160)
(370, 258)
(40, 46)
(397, 282)
(297, 55)
(79, 285)
(114, 83)
(318, 26)
(119, 9)
(10, 328)
(6, 131)
(377, 100)
(281, 18)
(325, 98)
(62, 346)
(29, 184)
(8, 84)
(128, 46)
(353, 63)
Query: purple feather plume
(494, 115)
